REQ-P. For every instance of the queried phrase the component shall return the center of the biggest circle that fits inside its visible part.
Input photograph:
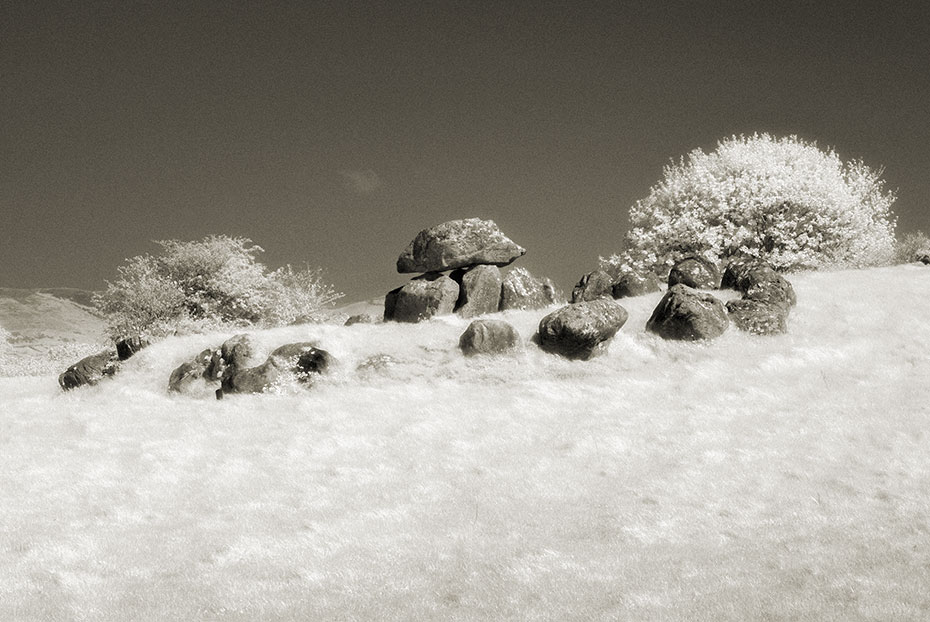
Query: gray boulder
(457, 244)
(759, 317)
(686, 314)
(302, 360)
(759, 281)
(90, 370)
(581, 330)
(235, 352)
(422, 298)
(489, 337)
(594, 285)
(695, 272)
(191, 374)
(631, 284)
(521, 290)
(479, 290)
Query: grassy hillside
(37, 317)
(749, 478)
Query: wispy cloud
(361, 181)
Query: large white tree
(783, 200)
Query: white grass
(783, 478)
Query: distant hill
(38, 318)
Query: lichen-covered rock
(479, 290)
(422, 298)
(759, 317)
(631, 284)
(489, 337)
(521, 290)
(759, 281)
(686, 314)
(457, 244)
(90, 370)
(302, 360)
(594, 285)
(192, 374)
(581, 330)
(695, 272)
(235, 352)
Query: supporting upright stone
(479, 290)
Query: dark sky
(331, 133)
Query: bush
(912, 247)
(779, 199)
(205, 285)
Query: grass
(749, 478)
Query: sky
(330, 133)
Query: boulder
(422, 298)
(235, 352)
(489, 337)
(759, 317)
(635, 285)
(759, 281)
(594, 285)
(361, 318)
(581, 330)
(187, 376)
(695, 272)
(90, 370)
(302, 360)
(479, 290)
(128, 346)
(457, 244)
(686, 314)
(390, 303)
(521, 290)
(923, 257)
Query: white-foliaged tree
(209, 284)
(783, 200)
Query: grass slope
(37, 317)
(781, 478)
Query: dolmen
(459, 265)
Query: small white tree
(207, 284)
(783, 200)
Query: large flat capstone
(457, 244)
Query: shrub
(911, 247)
(206, 285)
(783, 200)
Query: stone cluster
(686, 313)
(459, 264)
(226, 369)
(767, 297)
(105, 364)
